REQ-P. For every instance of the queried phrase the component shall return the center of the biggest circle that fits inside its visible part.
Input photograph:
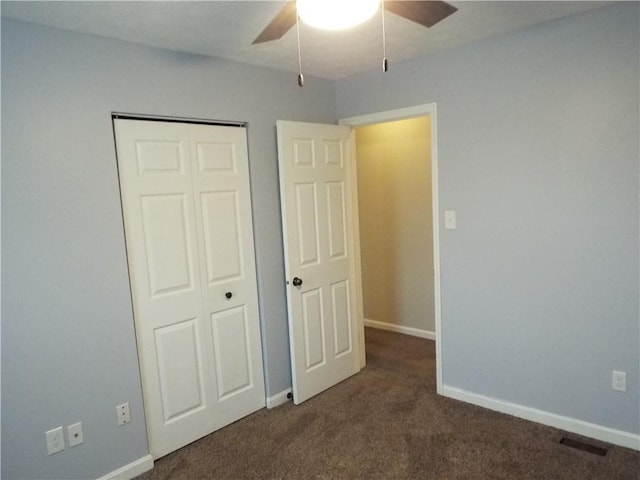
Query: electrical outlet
(74, 434)
(619, 381)
(55, 440)
(122, 411)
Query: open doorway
(396, 226)
(430, 112)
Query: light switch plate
(450, 219)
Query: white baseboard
(414, 332)
(278, 399)
(591, 430)
(138, 467)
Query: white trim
(414, 332)
(580, 427)
(429, 109)
(278, 399)
(435, 207)
(131, 470)
(356, 261)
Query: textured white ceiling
(227, 28)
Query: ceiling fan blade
(281, 24)
(426, 13)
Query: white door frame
(429, 109)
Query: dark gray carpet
(388, 423)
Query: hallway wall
(396, 234)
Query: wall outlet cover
(123, 414)
(75, 435)
(55, 440)
(619, 381)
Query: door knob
(296, 281)
(228, 295)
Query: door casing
(430, 110)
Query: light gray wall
(538, 153)
(68, 346)
(538, 150)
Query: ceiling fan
(426, 13)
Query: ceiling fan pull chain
(300, 75)
(385, 63)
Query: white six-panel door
(186, 204)
(317, 216)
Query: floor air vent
(580, 445)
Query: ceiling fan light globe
(336, 14)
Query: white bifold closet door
(187, 213)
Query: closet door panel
(187, 213)
(221, 183)
(162, 250)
